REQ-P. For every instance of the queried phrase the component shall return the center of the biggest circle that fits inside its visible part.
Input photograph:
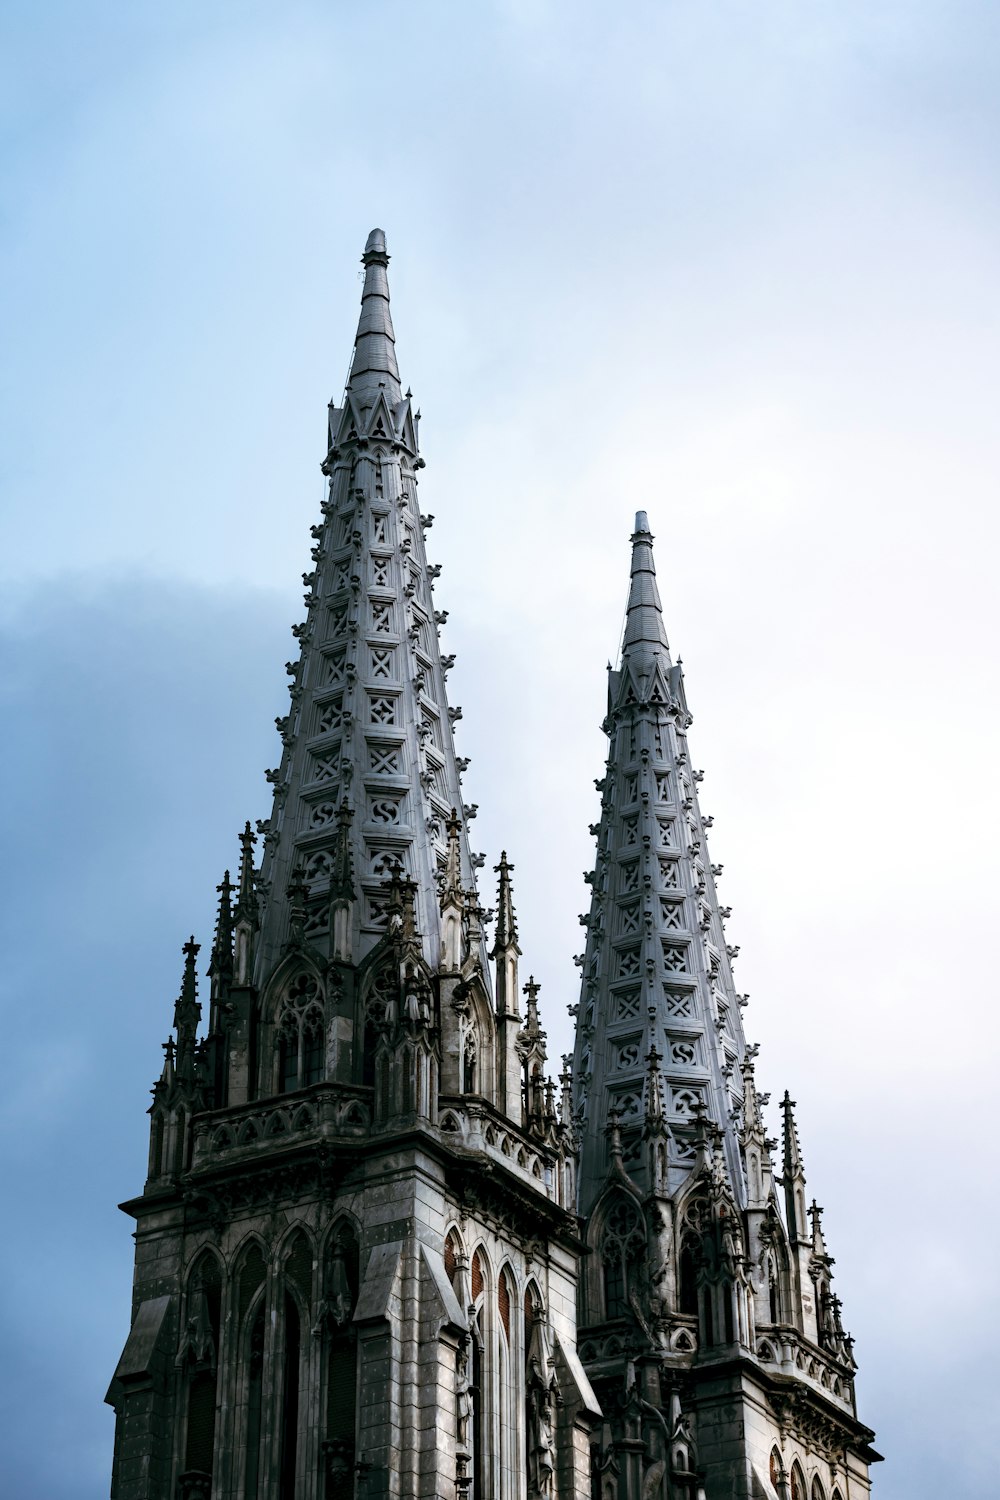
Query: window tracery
(300, 1032)
(623, 1247)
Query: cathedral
(384, 1251)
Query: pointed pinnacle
(816, 1224)
(222, 946)
(246, 899)
(187, 1011)
(792, 1153)
(506, 928)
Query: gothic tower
(357, 1249)
(707, 1321)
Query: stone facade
(359, 1263)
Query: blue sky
(732, 264)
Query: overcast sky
(735, 264)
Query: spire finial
(645, 632)
(374, 362)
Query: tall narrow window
(689, 1283)
(480, 1443)
(289, 1050)
(290, 1400)
(708, 1323)
(772, 1294)
(340, 1286)
(312, 1053)
(615, 1305)
(368, 1056)
(255, 1402)
(199, 1355)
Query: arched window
(505, 1382)
(479, 1442)
(816, 1493)
(290, 1398)
(250, 1278)
(623, 1247)
(776, 1469)
(255, 1402)
(539, 1396)
(340, 1292)
(199, 1357)
(299, 1029)
(798, 1483)
(773, 1298)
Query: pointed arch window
(199, 1359)
(340, 1289)
(798, 1486)
(623, 1248)
(539, 1396)
(250, 1296)
(479, 1441)
(300, 1034)
(290, 1398)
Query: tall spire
(374, 363)
(657, 972)
(368, 775)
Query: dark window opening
(615, 1304)
(289, 1064)
(290, 1401)
(255, 1393)
(689, 1283)
(312, 1056)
